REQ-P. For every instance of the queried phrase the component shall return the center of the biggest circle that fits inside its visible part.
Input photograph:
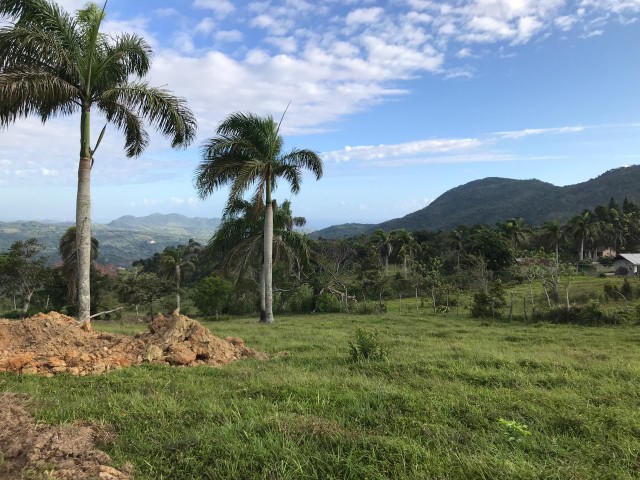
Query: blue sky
(405, 99)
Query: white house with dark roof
(628, 261)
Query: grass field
(433, 409)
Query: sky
(403, 99)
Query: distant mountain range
(123, 240)
(492, 200)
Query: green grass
(432, 410)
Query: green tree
(582, 227)
(174, 263)
(551, 234)
(248, 151)
(24, 270)
(54, 64)
(136, 287)
(383, 241)
(211, 294)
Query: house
(628, 262)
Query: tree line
(352, 275)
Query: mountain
(123, 240)
(491, 200)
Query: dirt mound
(31, 450)
(52, 343)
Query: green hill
(492, 200)
(122, 241)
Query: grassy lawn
(432, 410)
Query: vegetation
(446, 403)
(248, 150)
(53, 64)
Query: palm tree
(515, 231)
(174, 263)
(53, 64)
(582, 228)
(69, 254)
(455, 240)
(551, 234)
(405, 245)
(240, 239)
(383, 242)
(246, 151)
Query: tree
(69, 254)
(173, 266)
(53, 64)
(246, 151)
(582, 228)
(515, 231)
(136, 287)
(24, 270)
(551, 235)
(212, 294)
(384, 243)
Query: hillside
(122, 241)
(492, 200)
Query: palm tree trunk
(178, 273)
(582, 248)
(83, 220)
(268, 262)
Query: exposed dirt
(30, 450)
(48, 344)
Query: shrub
(626, 289)
(302, 300)
(489, 303)
(622, 270)
(327, 303)
(366, 345)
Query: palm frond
(164, 111)
(127, 121)
(26, 91)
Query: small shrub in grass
(514, 431)
(366, 345)
(327, 303)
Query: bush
(489, 303)
(366, 345)
(622, 271)
(327, 303)
(592, 313)
(302, 300)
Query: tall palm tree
(174, 263)
(405, 245)
(383, 242)
(54, 64)
(455, 241)
(69, 254)
(582, 227)
(246, 151)
(551, 234)
(515, 231)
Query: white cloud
(205, 26)
(539, 131)
(229, 36)
(403, 150)
(220, 7)
(363, 15)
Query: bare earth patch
(48, 344)
(30, 450)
